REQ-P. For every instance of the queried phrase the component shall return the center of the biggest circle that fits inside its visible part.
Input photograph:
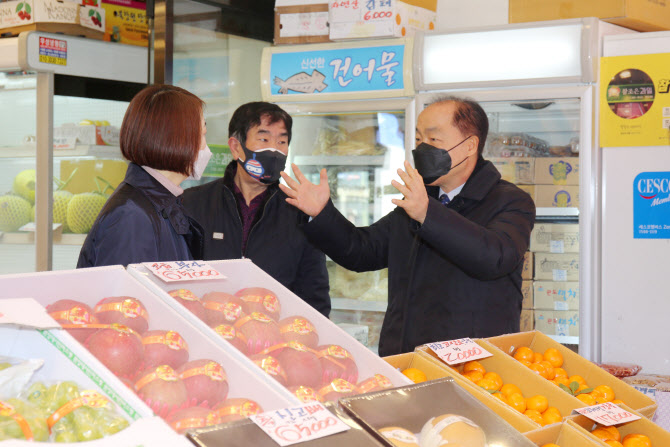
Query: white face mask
(201, 163)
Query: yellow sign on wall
(635, 100)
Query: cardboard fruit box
(511, 371)
(562, 434)
(55, 16)
(574, 364)
(436, 369)
(555, 238)
(658, 436)
(242, 273)
(93, 284)
(66, 360)
(410, 407)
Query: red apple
(164, 348)
(337, 363)
(270, 365)
(123, 310)
(305, 394)
(190, 301)
(259, 330)
(160, 386)
(222, 308)
(119, 348)
(236, 408)
(259, 299)
(233, 336)
(205, 381)
(377, 382)
(337, 389)
(73, 312)
(301, 364)
(189, 418)
(299, 329)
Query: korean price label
(458, 351)
(183, 271)
(299, 424)
(607, 414)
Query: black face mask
(263, 165)
(432, 162)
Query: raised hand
(309, 198)
(415, 203)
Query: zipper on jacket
(412, 258)
(257, 222)
(237, 213)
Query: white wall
(459, 14)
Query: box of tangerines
(574, 374)
(503, 378)
(561, 435)
(639, 433)
(421, 367)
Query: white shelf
(82, 150)
(339, 160)
(564, 339)
(351, 304)
(28, 238)
(557, 212)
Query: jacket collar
(483, 178)
(165, 203)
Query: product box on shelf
(513, 372)
(359, 19)
(562, 434)
(91, 285)
(56, 16)
(527, 270)
(527, 322)
(556, 196)
(239, 274)
(574, 364)
(245, 433)
(519, 170)
(527, 292)
(407, 411)
(557, 266)
(298, 24)
(436, 369)
(557, 171)
(561, 323)
(640, 15)
(556, 295)
(656, 387)
(643, 426)
(126, 22)
(555, 238)
(65, 360)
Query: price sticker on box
(299, 424)
(183, 271)
(607, 414)
(458, 351)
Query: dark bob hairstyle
(162, 129)
(250, 115)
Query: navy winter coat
(141, 222)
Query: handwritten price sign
(607, 414)
(299, 424)
(459, 351)
(183, 271)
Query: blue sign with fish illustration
(338, 71)
(651, 205)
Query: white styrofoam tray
(92, 284)
(242, 273)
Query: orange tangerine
(551, 444)
(560, 372)
(553, 410)
(538, 403)
(523, 353)
(535, 416)
(538, 369)
(525, 363)
(582, 388)
(613, 431)
(510, 388)
(537, 357)
(606, 391)
(549, 417)
(613, 443)
(475, 376)
(495, 377)
(562, 380)
(579, 379)
(602, 434)
(587, 399)
(501, 396)
(617, 401)
(636, 440)
(487, 384)
(553, 356)
(517, 402)
(550, 373)
(415, 375)
(474, 365)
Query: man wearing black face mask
(454, 245)
(245, 215)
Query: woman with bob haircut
(163, 137)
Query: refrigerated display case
(350, 105)
(63, 99)
(537, 83)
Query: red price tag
(607, 414)
(183, 271)
(458, 351)
(299, 424)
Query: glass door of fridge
(360, 151)
(536, 145)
